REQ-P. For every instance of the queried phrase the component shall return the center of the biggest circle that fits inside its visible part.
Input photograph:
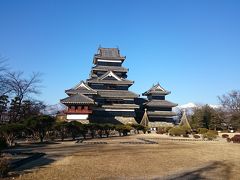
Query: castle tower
(159, 110)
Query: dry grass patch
(202, 159)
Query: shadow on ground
(38, 163)
(215, 170)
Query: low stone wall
(160, 124)
(114, 120)
(126, 120)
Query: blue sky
(191, 47)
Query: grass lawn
(165, 160)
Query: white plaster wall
(77, 116)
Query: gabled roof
(110, 68)
(121, 106)
(116, 79)
(92, 75)
(157, 90)
(110, 74)
(108, 54)
(160, 103)
(77, 99)
(97, 81)
(161, 113)
(81, 88)
(117, 94)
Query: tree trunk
(41, 138)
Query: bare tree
(231, 105)
(22, 88)
(231, 101)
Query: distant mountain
(187, 106)
(190, 106)
(193, 105)
(53, 109)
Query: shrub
(107, 128)
(126, 129)
(187, 129)
(139, 127)
(61, 129)
(202, 130)
(196, 136)
(4, 167)
(185, 135)
(225, 136)
(39, 125)
(209, 135)
(73, 128)
(236, 138)
(160, 130)
(123, 129)
(177, 131)
(167, 128)
(11, 131)
(213, 132)
(163, 129)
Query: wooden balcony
(77, 111)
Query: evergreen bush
(213, 132)
(177, 131)
(163, 129)
(209, 135)
(202, 130)
(167, 128)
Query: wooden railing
(77, 111)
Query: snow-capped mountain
(187, 106)
(53, 109)
(192, 105)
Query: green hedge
(202, 130)
(177, 131)
(210, 135)
(163, 129)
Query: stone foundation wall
(158, 124)
(126, 120)
(83, 121)
(113, 120)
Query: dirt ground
(131, 158)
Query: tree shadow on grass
(215, 170)
(35, 164)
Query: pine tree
(3, 105)
(14, 110)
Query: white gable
(110, 74)
(158, 87)
(83, 85)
